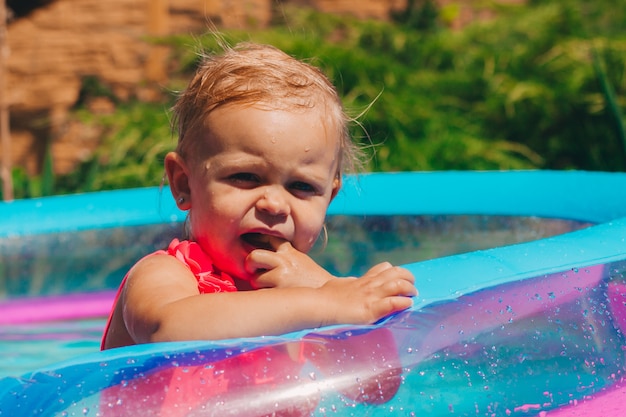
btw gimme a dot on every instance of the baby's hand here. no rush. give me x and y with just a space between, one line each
285 267
383 290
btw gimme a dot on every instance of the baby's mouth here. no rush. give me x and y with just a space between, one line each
258 240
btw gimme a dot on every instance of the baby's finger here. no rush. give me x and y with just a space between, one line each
391 305
260 260
404 274
392 273
378 268
401 287
280 244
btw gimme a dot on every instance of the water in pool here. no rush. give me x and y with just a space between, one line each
27 347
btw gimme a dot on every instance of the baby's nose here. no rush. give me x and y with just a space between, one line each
274 201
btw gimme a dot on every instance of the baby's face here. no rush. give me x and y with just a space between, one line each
261 173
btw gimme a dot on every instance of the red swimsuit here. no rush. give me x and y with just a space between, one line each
200 264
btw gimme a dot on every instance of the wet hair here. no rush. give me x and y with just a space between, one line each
254 74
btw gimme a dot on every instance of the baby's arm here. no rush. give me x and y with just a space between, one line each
162 303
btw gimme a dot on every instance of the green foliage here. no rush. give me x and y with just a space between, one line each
543 91
25 186
521 91
136 139
92 87
541 86
420 15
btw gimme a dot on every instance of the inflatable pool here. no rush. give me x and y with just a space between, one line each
530 324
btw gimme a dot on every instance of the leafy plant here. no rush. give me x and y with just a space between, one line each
136 139
541 86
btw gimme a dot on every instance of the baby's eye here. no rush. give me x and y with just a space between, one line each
246 178
303 187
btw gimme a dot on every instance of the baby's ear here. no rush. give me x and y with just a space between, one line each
178 177
336 186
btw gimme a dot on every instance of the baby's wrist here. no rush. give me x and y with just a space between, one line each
328 303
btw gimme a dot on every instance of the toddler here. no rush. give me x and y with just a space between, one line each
263 142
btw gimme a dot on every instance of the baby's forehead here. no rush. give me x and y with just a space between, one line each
316 109
235 128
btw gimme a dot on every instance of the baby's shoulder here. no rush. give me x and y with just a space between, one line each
159 266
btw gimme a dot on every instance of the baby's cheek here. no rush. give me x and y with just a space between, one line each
309 224
308 241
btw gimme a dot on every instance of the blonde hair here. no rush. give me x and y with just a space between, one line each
249 74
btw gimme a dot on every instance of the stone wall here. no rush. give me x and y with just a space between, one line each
367 9
54 48
50 52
